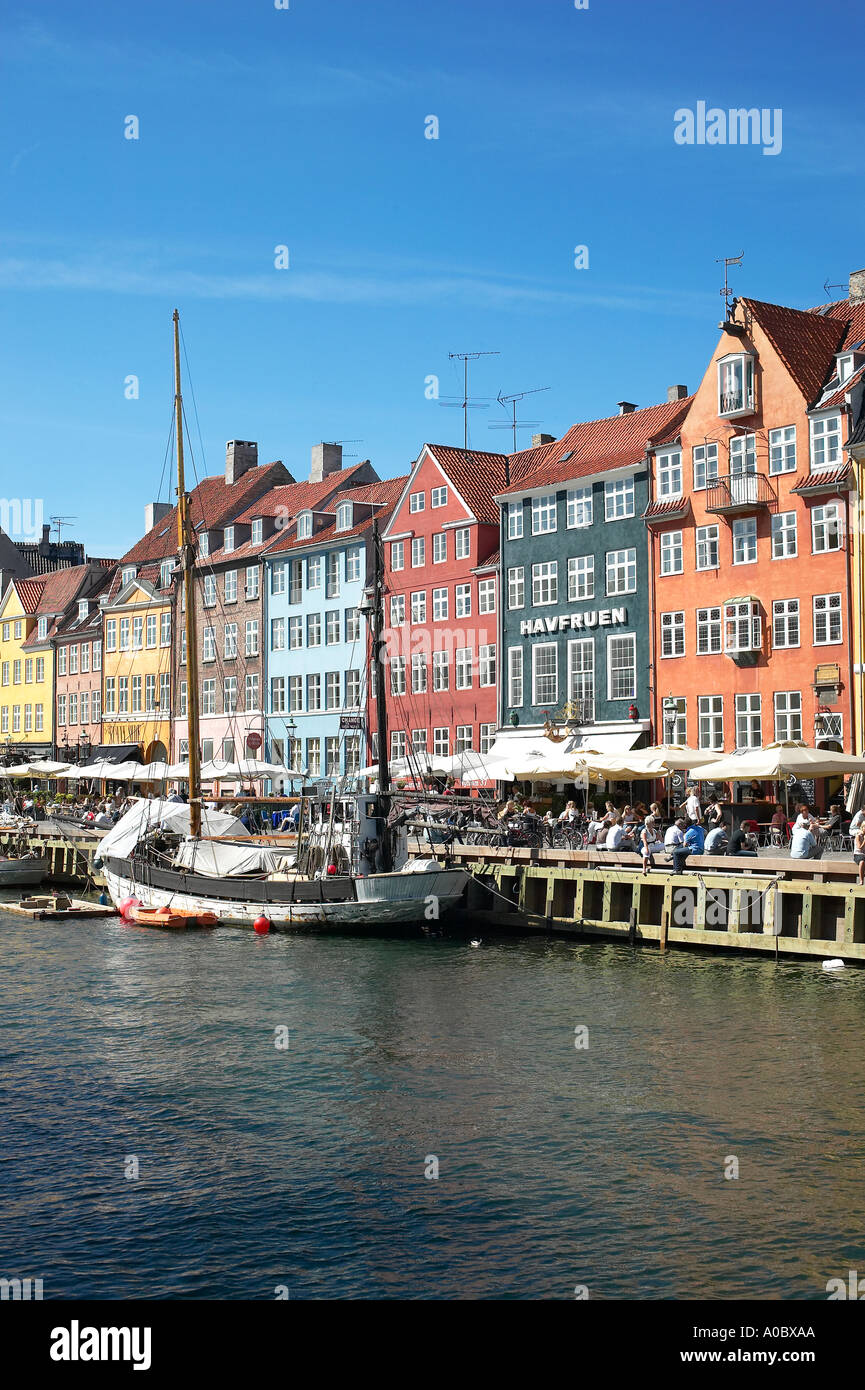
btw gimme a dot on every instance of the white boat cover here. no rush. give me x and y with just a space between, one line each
228 861
173 815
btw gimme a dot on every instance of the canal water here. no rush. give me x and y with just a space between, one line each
212 1115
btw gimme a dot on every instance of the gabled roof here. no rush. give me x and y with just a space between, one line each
287 503
476 475
383 495
805 342
148 574
597 446
57 591
213 503
29 592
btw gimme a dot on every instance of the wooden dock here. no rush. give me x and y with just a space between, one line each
40 907
70 857
800 907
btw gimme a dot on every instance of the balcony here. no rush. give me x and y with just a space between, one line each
740 492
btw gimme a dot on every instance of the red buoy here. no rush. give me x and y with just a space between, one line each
262 925
126 906
331 868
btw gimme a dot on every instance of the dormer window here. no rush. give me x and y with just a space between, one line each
257 531
204 544
83 609
736 384
42 629
670 473
228 538
845 368
165 572
304 526
129 573
344 516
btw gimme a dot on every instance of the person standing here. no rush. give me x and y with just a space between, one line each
859 849
692 807
647 843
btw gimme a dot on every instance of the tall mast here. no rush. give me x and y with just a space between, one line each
186 550
378 656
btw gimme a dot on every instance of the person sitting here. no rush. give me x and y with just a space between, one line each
779 825
570 813
695 838
743 843
716 840
803 843
617 838
601 819
507 811
675 836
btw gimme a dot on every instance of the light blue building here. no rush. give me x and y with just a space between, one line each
315 638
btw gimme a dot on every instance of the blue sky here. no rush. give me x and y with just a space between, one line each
305 127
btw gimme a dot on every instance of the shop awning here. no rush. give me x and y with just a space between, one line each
611 743
115 753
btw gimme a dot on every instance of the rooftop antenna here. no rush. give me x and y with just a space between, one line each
467 403
827 287
726 292
514 424
60 522
346 441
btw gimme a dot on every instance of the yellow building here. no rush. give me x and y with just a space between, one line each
137 674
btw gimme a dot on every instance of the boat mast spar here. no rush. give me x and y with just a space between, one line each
186 551
379 656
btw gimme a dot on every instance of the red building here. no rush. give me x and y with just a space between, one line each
441 604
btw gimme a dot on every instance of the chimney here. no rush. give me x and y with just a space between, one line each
625 407
857 285
45 543
677 393
154 513
240 456
326 459
538 439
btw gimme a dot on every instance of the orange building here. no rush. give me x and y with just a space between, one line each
750 534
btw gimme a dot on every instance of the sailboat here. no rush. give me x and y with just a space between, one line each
350 870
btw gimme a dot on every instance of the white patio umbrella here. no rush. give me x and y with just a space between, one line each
17 770
780 760
47 767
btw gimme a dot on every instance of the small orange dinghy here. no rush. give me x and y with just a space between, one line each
170 917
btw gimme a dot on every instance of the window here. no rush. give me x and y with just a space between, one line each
16 719
229 695
18 628
251 692
256 531
785 622
110 694
313 629
827 619
210 590
418 674
579 507
745 540
40 665
673 634
826 532
397 610
487 665
782 450
463 664
846 367
228 538
331 627
618 499
60 653
124 634
397 675
463 600
97 654
230 586
313 571
204 544
304 526
332 685
621 571
418 740
136 695
670 473
208 697
486 595
710 712
463 543
61 709
826 441
743 464
277 577
440 603
209 644
277 635
137 634
277 694
464 741
295 694
515 521
251 643
707 547
85 709
184 699
544 514
439 497
397 555
352 625
441 671
417 501
622 668
95 704
545 673
16 672
352 688
331 587
736 384
42 629
418 606
705 460
675 718
295 634
344 516
111 634
28 667
128 574
252 581
4 716
581 578
788 715
352 564
149 693
708 631
418 552
313 693
517 587
515 677
671 552
749 722
783 535
440 547
742 627
545 583
151 630
581 677
441 742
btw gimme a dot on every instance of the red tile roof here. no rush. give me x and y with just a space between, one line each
384 495
827 480
214 503
56 591
29 592
667 509
598 446
477 476
805 342
286 503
